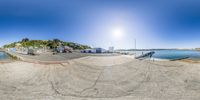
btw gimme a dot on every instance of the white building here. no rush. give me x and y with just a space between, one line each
111 49
94 50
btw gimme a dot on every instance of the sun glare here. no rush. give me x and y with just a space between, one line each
117 33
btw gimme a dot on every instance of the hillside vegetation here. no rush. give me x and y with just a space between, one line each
46 43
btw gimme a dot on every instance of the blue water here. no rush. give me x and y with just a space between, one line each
172 54
176 54
3 56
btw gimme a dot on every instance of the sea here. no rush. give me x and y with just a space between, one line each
170 54
4 56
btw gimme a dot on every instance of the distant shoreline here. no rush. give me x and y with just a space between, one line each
152 49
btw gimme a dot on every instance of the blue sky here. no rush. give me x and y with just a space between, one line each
154 24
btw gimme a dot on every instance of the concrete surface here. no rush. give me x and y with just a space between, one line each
49 56
100 78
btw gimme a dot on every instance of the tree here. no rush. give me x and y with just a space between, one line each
56 40
25 40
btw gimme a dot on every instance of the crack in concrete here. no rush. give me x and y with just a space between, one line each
95 82
52 84
54 89
146 79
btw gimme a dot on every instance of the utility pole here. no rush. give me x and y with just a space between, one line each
135 48
135 44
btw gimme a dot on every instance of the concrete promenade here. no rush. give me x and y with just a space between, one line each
100 78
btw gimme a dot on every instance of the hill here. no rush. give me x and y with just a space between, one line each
46 43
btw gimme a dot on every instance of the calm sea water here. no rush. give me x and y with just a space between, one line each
176 54
173 54
3 56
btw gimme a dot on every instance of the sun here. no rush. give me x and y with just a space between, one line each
117 33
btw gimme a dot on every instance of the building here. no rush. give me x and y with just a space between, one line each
87 51
64 49
111 49
94 50
68 49
99 50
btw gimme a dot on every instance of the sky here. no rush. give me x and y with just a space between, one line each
103 23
